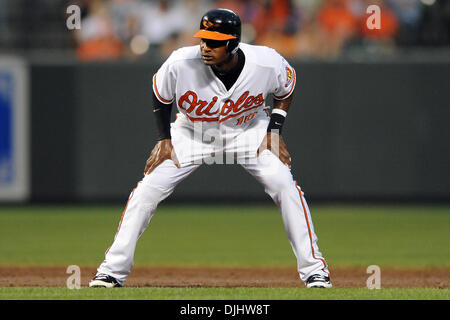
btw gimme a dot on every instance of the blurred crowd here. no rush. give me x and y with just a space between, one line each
130 29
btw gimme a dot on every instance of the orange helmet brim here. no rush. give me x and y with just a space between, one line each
213 35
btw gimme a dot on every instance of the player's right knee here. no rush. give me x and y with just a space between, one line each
153 192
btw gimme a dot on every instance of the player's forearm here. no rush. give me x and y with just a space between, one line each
162 114
283 104
279 113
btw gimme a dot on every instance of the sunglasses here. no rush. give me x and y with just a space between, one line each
214 43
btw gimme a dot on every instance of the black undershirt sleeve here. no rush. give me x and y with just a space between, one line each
162 114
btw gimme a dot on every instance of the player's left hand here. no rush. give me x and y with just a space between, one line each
275 143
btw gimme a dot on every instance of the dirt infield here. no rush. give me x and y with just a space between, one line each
227 277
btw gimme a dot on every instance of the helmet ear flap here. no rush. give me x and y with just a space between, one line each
232 46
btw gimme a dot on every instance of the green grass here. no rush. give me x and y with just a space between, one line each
222 294
244 236
394 236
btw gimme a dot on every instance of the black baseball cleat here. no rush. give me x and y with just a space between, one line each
104 281
318 281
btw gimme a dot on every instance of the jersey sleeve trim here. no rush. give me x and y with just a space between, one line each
290 91
155 89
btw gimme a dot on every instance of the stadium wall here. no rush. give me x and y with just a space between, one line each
356 131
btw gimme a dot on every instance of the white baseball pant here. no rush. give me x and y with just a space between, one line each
158 185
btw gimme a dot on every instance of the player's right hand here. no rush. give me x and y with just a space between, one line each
162 151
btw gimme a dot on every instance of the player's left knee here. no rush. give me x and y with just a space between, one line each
280 184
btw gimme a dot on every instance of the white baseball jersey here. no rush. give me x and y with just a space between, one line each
204 102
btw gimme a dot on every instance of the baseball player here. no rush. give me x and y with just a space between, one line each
220 90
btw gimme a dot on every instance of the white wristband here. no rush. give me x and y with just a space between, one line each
280 112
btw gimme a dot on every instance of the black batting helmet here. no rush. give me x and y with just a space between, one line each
221 25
